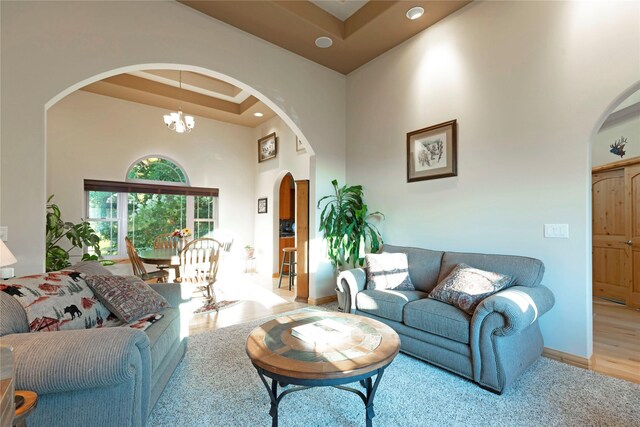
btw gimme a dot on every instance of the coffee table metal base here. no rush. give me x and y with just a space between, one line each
366 381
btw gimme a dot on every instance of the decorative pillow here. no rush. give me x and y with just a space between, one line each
90 268
388 271
56 301
128 297
465 287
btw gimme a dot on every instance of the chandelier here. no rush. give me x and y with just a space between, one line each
178 121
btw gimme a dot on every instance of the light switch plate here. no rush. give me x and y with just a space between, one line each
556 231
4 233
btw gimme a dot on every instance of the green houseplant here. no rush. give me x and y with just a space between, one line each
78 235
344 223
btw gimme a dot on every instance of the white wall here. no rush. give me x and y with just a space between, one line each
97 137
528 83
52 48
610 132
268 177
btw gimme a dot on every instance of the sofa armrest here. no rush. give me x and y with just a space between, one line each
351 282
498 351
174 293
63 361
519 306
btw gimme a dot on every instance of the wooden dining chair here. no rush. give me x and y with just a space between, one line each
166 241
138 266
169 242
199 262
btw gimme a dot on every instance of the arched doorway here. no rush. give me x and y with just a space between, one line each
185 162
615 250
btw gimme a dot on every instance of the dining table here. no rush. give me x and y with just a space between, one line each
162 258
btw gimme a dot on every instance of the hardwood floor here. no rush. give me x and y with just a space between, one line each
616 340
256 301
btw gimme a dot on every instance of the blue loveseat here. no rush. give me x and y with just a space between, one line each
492 347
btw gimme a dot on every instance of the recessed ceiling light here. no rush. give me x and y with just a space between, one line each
324 42
415 12
258 114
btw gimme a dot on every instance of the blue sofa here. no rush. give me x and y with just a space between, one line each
95 377
492 347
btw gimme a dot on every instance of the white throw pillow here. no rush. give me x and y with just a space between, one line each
388 271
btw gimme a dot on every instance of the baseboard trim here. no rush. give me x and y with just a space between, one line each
322 300
568 358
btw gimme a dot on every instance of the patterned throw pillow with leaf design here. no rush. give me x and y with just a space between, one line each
388 271
465 287
57 301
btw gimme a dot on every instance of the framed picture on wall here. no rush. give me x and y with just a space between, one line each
432 152
267 147
299 146
262 205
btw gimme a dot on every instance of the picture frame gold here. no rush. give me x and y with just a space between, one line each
432 152
267 147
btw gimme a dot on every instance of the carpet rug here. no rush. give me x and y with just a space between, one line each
208 307
216 385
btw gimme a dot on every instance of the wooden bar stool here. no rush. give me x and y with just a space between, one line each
288 255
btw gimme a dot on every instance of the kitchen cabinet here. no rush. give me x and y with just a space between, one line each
287 198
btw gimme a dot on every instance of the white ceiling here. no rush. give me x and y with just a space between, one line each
341 9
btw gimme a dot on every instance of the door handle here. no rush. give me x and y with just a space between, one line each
628 243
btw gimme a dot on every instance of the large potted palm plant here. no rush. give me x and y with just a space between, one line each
344 221
349 234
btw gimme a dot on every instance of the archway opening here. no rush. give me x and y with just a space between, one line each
128 138
615 236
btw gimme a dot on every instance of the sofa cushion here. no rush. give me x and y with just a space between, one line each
163 335
524 271
388 271
128 297
13 319
438 318
465 287
90 268
424 265
386 303
56 301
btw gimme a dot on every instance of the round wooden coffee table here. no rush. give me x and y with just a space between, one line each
368 348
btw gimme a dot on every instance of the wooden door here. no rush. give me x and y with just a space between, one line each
632 186
302 240
611 256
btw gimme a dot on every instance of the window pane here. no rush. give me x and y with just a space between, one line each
204 207
152 214
103 204
203 229
108 232
156 169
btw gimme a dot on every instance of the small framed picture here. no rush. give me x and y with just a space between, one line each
267 147
262 205
299 146
432 152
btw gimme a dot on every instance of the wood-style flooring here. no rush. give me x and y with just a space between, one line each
616 340
261 306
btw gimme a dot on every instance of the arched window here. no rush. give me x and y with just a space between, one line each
157 169
155 201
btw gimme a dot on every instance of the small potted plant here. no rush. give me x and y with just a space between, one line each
249 251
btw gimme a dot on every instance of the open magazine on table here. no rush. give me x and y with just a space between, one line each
322 331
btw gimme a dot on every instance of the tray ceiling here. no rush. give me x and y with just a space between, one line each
200 95
360 30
